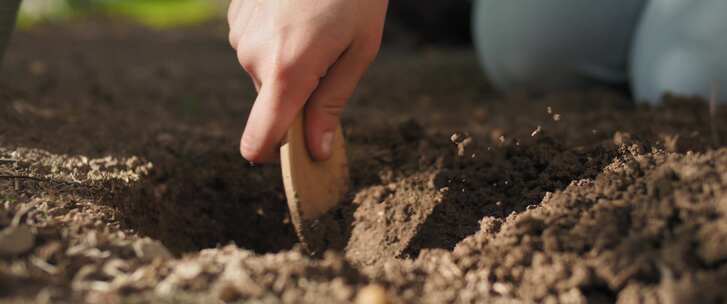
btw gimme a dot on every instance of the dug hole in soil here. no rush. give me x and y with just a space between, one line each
121 181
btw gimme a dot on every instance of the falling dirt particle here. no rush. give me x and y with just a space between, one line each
372 294
16 240
556 117
463 145
148 249
501 139
550 110
455 138
536 132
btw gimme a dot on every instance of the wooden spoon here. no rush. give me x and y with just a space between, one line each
313 188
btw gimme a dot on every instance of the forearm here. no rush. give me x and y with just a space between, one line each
8 12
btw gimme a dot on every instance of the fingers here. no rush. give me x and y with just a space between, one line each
279 99
286 81
295 57
324 108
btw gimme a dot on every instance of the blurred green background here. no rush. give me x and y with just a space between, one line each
417 22
153 13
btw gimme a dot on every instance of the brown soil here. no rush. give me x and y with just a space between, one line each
120 181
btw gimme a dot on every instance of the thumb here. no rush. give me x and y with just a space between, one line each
324 108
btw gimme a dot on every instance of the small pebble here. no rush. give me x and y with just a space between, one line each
502 288
188 270
372 294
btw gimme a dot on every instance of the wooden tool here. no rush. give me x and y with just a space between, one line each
314 188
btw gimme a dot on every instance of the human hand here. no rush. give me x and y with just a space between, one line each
302 55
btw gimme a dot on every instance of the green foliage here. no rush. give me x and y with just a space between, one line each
164 13
152 13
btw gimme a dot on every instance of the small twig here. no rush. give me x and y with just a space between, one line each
536 132
7 161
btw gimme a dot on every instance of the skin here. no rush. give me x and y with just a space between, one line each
302 55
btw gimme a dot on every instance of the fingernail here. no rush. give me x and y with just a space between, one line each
327 143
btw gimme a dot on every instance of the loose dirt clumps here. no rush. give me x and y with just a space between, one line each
120 181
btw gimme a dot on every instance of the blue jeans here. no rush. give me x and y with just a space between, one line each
656 46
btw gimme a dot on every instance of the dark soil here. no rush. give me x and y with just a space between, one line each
121 181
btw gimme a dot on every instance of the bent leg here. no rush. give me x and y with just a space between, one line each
681 47
538 44
8 11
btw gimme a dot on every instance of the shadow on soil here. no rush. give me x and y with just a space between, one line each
506 181
201 202
196 202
